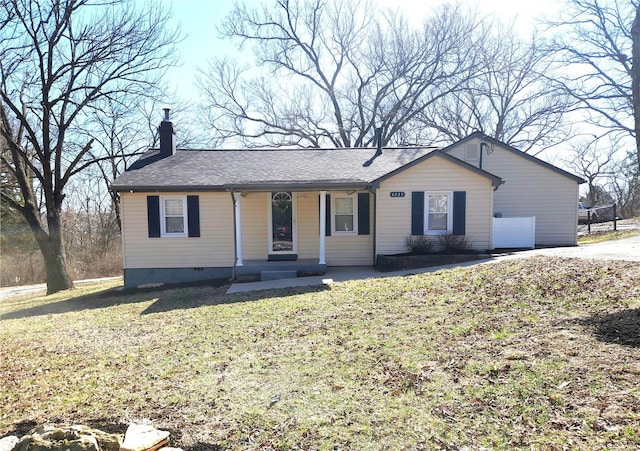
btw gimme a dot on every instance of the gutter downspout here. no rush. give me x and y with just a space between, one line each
237 219
233 207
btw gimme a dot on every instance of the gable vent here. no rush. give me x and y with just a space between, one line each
472 152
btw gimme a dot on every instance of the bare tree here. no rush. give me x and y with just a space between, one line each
597 47
125 129
61 61
593 160
635 80
625 184
336 72
510 100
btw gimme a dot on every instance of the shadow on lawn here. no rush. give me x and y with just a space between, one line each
621 328
167 298
169 301
101 299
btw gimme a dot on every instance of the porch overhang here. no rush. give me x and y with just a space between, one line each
298 186
166 188
293 185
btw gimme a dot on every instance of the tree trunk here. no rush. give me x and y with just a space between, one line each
115 204
55 264
53 252
635 79
51 246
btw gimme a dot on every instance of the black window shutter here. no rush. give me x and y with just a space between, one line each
193 215
327 227
459 212
363 213
327 211
417 213
153 216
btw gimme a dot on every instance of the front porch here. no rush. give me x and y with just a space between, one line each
300 232
296 227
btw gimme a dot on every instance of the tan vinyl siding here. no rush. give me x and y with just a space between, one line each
255 230
347 250
307 224
531 189
214 248
434 174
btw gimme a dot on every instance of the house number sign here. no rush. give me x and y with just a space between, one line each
397 193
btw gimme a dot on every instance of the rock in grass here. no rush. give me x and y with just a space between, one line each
141 437
106 441
7 443
49 437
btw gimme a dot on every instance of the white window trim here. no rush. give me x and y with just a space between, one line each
354 197
163 222
449 230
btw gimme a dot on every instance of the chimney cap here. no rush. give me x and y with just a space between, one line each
166 114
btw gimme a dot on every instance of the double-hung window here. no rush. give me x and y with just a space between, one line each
173 212
439 218
344 214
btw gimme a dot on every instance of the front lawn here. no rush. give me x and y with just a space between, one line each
540 353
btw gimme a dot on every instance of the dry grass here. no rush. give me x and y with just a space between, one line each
538 353
607 235
24 268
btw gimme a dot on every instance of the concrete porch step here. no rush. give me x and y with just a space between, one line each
303 267
278 274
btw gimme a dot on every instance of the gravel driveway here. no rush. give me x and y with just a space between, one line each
624 249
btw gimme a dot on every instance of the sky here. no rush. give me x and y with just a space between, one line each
199 20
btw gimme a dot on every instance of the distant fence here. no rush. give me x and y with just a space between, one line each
514 232
603 213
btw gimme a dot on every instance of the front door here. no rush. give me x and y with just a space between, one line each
282 239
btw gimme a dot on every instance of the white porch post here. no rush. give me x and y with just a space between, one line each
238 220
323 226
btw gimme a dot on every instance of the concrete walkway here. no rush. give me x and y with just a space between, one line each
625 249
340 274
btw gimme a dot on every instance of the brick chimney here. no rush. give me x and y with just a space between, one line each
167 136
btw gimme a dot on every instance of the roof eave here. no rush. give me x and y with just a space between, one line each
510 148
296 186
267 186
495 180
169 189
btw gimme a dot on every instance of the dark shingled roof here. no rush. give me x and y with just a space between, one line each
256 169
191 170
